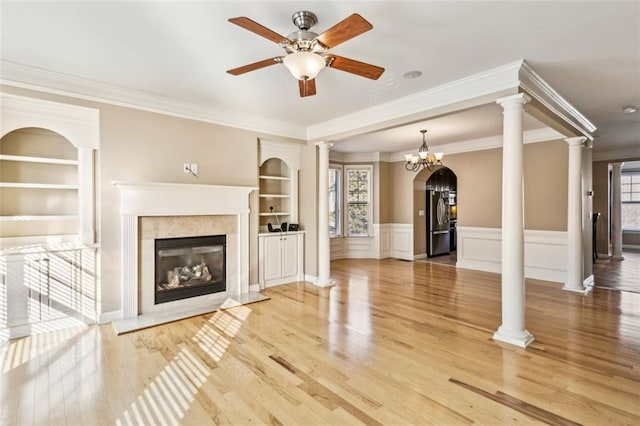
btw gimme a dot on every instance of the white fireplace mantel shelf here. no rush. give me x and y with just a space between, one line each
174 199
140 199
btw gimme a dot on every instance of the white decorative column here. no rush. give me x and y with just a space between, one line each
324 253
616 212
574 218
512 330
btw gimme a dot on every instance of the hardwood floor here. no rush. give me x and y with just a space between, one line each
619 274
392 342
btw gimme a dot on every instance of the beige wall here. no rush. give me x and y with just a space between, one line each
385 179
144 146
479 175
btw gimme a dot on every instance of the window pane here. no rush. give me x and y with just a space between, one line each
631 216
358 185
334 202
625 178
358 219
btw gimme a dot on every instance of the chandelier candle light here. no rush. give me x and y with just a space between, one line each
423 159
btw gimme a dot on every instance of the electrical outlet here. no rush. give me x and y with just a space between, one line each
186 168
194 169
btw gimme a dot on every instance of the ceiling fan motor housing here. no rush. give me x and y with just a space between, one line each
304 19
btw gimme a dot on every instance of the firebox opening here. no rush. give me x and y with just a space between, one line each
189 267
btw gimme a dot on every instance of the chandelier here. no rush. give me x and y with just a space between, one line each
423 159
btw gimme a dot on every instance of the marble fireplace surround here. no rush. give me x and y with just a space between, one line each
148 210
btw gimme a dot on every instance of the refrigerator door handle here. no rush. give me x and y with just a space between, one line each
441 232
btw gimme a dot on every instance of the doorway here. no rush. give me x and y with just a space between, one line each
441 216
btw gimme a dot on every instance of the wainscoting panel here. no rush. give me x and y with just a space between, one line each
545 252
388 240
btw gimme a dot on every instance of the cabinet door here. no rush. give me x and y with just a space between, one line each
289 255
272 258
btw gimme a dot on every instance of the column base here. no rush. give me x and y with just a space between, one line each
521 339
614 257
324 283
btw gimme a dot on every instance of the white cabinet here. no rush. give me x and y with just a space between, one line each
280 258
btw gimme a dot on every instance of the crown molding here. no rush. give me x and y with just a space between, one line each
502 80
25 77
540 90
544 134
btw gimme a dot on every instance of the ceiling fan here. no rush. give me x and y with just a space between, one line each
307 51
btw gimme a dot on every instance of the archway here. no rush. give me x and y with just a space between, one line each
443 181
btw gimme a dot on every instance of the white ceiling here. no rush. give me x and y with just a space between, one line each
588 51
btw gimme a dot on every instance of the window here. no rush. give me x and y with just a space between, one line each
335 196
358 200
630 201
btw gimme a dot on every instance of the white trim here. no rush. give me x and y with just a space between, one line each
107 317
589 281
550 98
631 246
50 82
311 278
420 105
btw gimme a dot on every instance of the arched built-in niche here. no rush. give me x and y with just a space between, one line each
77 125
441 178
38 185
278 175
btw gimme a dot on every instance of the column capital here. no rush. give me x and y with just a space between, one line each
617 166
517 99
579 140
324 145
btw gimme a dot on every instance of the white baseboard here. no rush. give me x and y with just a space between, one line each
254 287
631 246
107 317
603 255
310 278
420 256
589 281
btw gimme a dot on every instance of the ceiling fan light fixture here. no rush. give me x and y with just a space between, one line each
304 65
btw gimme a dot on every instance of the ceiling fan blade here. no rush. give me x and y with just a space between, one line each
344 30
307 87
356 67
255 66
254 27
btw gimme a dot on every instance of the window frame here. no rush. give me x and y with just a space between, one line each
339 201
632 174
346 222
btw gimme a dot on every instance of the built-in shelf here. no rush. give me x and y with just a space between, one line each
43 160
24 218
36 185
274 177
275 195
275 214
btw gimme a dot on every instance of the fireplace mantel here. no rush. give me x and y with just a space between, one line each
150 199
140 199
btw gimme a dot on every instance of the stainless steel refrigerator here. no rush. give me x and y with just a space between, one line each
438 232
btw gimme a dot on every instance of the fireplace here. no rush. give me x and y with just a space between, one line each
189 267
146 216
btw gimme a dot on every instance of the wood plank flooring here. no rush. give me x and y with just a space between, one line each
392 342
619 274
